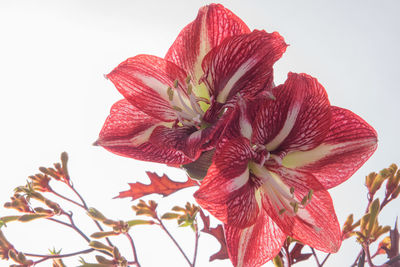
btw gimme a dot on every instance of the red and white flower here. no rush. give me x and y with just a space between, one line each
177 107
269 179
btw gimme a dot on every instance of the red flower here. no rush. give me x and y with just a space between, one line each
270 178
177 107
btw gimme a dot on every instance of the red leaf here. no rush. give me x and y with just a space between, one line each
158 185
218 233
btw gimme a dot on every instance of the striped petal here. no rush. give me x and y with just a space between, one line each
299 118
227 191
255 245
212 25
316 224
127 132
349 143
242 64
143 80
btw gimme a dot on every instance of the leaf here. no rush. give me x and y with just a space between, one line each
158 185
218 233
296 255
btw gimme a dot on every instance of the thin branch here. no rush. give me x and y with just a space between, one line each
326 258
67 199
366 250
59 256
71 226
196 244
175 242
315 257
135 257
86 208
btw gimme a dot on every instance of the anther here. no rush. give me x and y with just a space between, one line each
189 89
170 93
176 83
310 193
177 108
188 78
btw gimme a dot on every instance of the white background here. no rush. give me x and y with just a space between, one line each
54 98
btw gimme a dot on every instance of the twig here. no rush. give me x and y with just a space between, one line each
315 257
135 257
326 258
86 208
173 240
67 199
366 250
59 256
355 262
72 225
196 244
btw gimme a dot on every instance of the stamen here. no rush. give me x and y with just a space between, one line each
170 93
176 83
188 78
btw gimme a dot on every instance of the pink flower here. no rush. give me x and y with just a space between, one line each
269 177
177 107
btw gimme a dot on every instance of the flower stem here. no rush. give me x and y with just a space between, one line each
86 208
48 257
135 257
196 244
173 240
72 225
315 257
67 199
326 258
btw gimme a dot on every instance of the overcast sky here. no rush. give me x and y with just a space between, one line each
54 98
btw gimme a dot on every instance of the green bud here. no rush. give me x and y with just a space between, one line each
170 216
100 246
96 215
139 222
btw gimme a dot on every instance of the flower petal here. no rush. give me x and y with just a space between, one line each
190 140
242 64
315 225
127 132
298 119
349 143
255 245
143 80
227 191
212 25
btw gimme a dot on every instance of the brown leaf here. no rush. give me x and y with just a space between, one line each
158 185
218 233
296 255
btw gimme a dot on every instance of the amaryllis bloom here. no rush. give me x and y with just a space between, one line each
176 107
270 181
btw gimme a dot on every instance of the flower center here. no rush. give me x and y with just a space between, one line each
189 111
281 195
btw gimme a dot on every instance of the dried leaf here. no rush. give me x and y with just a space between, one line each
218 233
158 185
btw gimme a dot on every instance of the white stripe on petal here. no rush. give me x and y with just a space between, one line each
242 70
242 246
238 182
298 159
286 129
